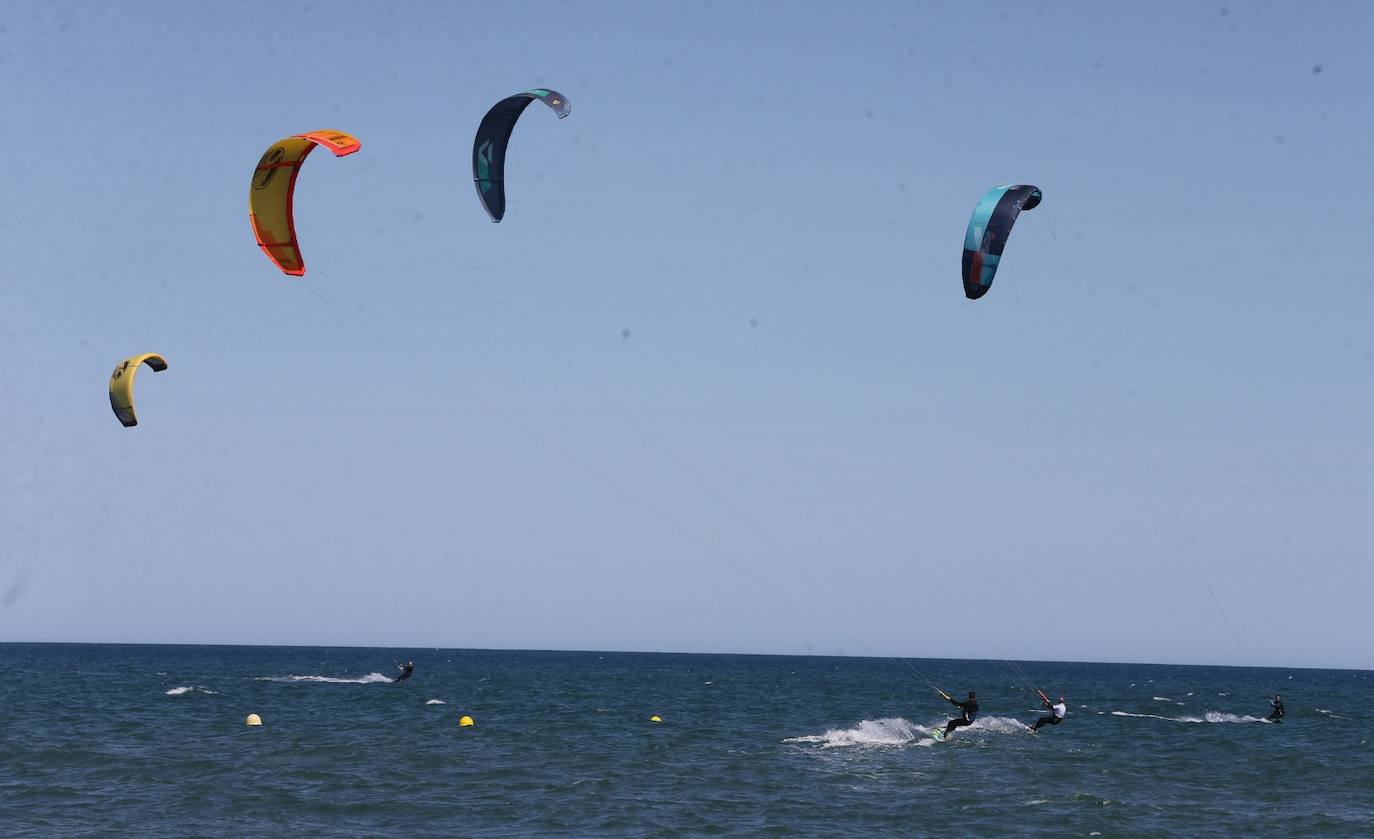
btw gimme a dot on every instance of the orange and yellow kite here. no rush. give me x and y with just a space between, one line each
274 184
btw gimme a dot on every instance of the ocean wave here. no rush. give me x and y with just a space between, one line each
369 679
181 691
436 702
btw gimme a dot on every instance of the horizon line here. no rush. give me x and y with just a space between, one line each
671 652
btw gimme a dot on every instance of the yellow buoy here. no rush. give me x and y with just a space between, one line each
253 719
465 721
655 718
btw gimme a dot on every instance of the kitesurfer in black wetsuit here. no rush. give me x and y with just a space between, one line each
1054 717
970 709
1276 714
406 670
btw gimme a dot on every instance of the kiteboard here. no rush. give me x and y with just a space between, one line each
938 732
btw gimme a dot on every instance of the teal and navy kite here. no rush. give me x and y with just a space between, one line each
489 148
988 231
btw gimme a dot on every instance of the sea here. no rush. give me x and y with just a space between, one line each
150 741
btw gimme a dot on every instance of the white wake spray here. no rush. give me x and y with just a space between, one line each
996 725
369 679
895 731
890 731
1210 716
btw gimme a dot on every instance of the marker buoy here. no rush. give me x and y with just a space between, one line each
252 719
465 721
655 718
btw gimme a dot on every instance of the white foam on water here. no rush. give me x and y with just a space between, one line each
890 731
369 679
1210 716
179 691
1155 717
1161 699
436 702
996 725
1217 716
895 731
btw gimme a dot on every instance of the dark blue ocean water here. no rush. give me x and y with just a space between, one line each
150 741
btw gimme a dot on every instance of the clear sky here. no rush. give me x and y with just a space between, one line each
808 441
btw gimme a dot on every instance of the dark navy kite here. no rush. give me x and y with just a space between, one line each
489 148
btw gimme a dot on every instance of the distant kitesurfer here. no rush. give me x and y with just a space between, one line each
1276 706
969 708
1054 717
406 670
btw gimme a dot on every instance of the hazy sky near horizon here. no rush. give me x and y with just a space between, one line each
712 385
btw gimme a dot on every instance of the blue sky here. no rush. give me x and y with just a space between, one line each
808 442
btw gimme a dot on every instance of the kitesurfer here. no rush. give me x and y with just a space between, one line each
406 670
1054 717
969 709
1276 709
